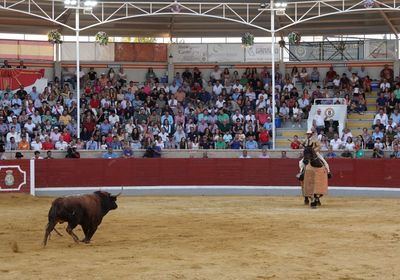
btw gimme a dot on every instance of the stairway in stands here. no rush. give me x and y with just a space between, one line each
355 122
287 131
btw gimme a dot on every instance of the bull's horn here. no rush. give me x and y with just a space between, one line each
122 189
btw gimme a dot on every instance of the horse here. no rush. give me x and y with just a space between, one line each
314 179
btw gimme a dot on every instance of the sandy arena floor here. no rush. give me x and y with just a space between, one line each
208 238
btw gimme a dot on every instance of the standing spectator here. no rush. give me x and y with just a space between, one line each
319 121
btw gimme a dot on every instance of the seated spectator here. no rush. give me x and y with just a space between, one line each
387 74
314 76
330 153
6 64
264 139
49 155
284 112
23 144
110 154
295 144
264 154
244 154
330 76
251 144
18 155
382 117
152 152
336 143
36 155
378 151
396 152
61 145
72 153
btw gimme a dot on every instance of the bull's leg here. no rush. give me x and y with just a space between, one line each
69 229
306 200
57 232
90 234
86 231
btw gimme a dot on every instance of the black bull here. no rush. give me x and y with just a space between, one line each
84 210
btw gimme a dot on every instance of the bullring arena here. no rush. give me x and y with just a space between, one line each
202 120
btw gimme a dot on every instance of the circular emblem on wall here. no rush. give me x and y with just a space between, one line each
301 51
9 179
329 112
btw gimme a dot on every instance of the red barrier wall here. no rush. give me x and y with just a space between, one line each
238 172
14 176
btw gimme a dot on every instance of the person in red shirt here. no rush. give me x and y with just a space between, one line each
95 102
263 139
262 117
47 144
89 123
66 135
295 144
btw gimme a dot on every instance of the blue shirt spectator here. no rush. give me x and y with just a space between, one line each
105 127
251 144
110 154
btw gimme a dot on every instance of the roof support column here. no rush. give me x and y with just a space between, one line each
273 73
170 70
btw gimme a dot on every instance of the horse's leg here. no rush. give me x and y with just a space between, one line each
317 197
313 203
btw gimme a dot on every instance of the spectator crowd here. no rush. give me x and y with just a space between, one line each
225 110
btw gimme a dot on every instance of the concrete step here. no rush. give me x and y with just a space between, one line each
289 133
371 107
282 142
365 116
352 124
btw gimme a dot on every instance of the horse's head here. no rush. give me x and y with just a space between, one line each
309 154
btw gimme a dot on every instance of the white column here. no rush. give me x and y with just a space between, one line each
78 83
273 73
170 70
32 176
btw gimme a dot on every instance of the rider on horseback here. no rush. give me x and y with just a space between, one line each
313 141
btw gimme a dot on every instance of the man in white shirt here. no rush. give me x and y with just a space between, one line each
61 145
216 74
220 102
336 143
29 126
319 121
36 145
236 116
15 134
382 117
217 88
237 85
113 118
55 135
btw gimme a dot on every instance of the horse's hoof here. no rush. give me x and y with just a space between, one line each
306 201
313 205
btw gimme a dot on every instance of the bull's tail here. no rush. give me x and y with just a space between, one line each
51 224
